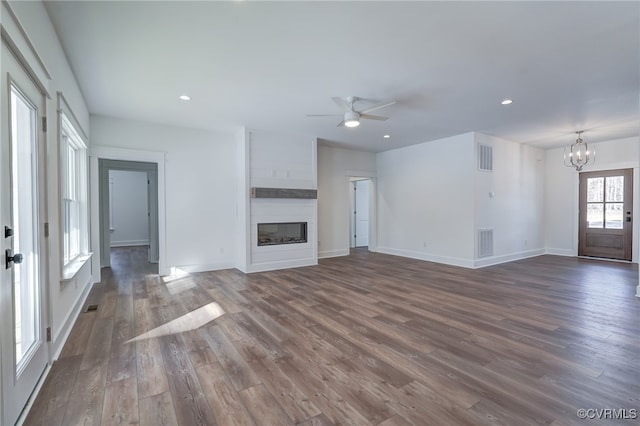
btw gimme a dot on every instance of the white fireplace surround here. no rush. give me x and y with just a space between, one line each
279 162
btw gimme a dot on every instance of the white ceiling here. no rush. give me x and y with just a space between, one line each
568 66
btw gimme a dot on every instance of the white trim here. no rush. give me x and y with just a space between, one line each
285 264
72 268
230 264
561 252
111 153
65 108
454 261
17 40
495 260
60 338
333 253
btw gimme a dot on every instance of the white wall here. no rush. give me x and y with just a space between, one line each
425 200
200 191
129 208
510 200
432 199
335 166
64 299
561 193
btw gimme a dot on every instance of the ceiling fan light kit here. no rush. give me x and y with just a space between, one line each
351 119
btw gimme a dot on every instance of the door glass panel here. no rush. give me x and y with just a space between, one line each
614 216
24 215
595 190
614 189
595 215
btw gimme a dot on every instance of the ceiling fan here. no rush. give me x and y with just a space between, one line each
351 115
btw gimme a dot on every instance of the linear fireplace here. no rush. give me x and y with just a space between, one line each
271 234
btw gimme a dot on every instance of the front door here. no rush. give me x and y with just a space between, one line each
606 214
22 203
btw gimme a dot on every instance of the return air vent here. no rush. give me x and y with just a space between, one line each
485 158
485 242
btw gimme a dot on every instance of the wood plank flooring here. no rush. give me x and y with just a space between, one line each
367 339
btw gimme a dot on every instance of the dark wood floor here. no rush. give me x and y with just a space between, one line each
364 339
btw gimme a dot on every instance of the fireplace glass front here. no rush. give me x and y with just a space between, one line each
271 234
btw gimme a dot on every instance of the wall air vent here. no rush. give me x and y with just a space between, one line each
485 243
485 158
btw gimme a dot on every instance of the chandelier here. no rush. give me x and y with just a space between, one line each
578 154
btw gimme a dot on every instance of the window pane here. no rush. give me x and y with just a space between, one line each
74 229
72 173
595 215
614 188
66 205
614 215
595 189
24 207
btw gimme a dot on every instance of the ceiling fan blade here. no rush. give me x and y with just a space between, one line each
341 103
373 117
341 124
376 106
325 115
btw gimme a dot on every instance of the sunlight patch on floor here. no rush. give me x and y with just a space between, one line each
178 281
190 321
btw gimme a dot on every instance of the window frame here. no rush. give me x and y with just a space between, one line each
73 191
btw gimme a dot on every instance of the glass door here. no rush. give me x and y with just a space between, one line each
24 352
606 214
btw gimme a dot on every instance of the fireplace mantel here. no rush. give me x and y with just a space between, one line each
306 194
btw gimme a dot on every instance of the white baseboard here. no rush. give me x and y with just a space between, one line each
60 337
465 263
129 243
454 261
286 264
495 260
333 253
574 253
227 264
561 252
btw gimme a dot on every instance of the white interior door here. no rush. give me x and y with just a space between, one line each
152 199
22 203
361 213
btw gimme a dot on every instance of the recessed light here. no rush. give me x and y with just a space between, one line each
506 101
386 136
185 97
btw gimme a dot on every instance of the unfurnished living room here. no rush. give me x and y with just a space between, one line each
320 213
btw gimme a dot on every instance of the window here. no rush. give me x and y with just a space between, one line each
73 153
605 201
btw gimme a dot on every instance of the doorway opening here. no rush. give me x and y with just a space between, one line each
359 228
128 207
